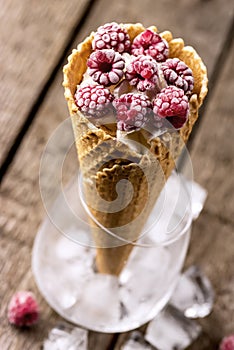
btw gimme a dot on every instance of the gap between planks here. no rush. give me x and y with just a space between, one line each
41 96
216 73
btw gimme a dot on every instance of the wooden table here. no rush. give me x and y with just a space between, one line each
36 38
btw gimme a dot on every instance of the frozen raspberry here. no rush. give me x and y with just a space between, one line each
133 111
142 72
172 103
23 309
106 67
177 73
227 343
111 36
150 43
94 100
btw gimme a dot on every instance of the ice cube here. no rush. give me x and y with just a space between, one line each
142 281
194 295
55 278
66 249
66 337
69 251
171 330
136 342
99 302
67 267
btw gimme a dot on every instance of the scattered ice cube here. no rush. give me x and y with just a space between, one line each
171 330
194 295
136 342
66 337
99 302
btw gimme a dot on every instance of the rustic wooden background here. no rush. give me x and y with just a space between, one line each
36 37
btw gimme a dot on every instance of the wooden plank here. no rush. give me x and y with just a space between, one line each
213 148
17 275
213 239
53 111
22 209
211 249
202 24
33 36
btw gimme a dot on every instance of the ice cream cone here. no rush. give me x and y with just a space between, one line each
105 160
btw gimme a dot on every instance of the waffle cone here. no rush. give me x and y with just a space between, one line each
105 160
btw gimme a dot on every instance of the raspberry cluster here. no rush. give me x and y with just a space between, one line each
158 87
227 343
111 36
177 73
133 111
150 43
23 309
106 67
142 72
94 100
172 103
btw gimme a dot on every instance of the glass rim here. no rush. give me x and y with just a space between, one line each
175 234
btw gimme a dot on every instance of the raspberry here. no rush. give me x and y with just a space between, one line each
150 43
94 100
177 73
133 111
143 73
111 36
106 67
23 309
172 103
227 343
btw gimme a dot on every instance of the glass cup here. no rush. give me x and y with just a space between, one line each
64 261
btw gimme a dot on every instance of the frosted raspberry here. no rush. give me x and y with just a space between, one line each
227 343
94 100
172 103
23 309
150 43
111 36
177 73
106 67
142 72
133 111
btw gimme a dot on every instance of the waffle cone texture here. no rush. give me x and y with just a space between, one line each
107 162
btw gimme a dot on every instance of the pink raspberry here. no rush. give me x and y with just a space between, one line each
142 72
23 309
111 36
227 343
177 73
106 67
133 111
172 103
150 43
94 100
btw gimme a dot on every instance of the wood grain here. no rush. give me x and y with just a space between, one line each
202 24
211 249
206 22
213 149
32 36
213 237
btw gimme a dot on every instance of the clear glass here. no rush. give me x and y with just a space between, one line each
64 262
